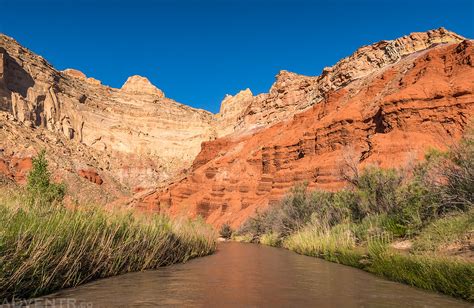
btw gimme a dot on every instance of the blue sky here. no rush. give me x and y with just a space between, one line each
198 51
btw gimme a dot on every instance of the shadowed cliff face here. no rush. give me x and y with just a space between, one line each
388 118
385 102
18 80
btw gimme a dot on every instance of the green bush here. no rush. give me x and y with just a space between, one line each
41 191
292 213
298 209
332 208
246 238
408 216
252 228
458 191
403 205
396 201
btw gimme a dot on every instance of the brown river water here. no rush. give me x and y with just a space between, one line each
250 275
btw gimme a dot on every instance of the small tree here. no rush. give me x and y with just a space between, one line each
40 188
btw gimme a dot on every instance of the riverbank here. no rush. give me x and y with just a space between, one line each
44 249
412 226
436 271
443 272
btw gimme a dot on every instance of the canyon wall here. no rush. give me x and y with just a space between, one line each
292 93
385 104
135 134
389 118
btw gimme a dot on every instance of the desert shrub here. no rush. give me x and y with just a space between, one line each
442 184
244 238
225 231
387 198
293 212
301 207
253 228
378 200
376 191
332 208
449 178
41 190
412 200
431 204
458 192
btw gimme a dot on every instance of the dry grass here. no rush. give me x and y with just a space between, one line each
43 249
452 276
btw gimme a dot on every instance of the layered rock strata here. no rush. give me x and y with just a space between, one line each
388 118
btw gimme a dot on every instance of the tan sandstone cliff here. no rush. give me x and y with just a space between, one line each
134 134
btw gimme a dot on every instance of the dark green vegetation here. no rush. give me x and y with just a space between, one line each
45 246
409 226
225 231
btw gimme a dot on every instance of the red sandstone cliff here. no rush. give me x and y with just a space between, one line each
388 118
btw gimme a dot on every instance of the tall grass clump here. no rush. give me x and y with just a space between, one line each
445 231
337 244
270 239
45 246
453 277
